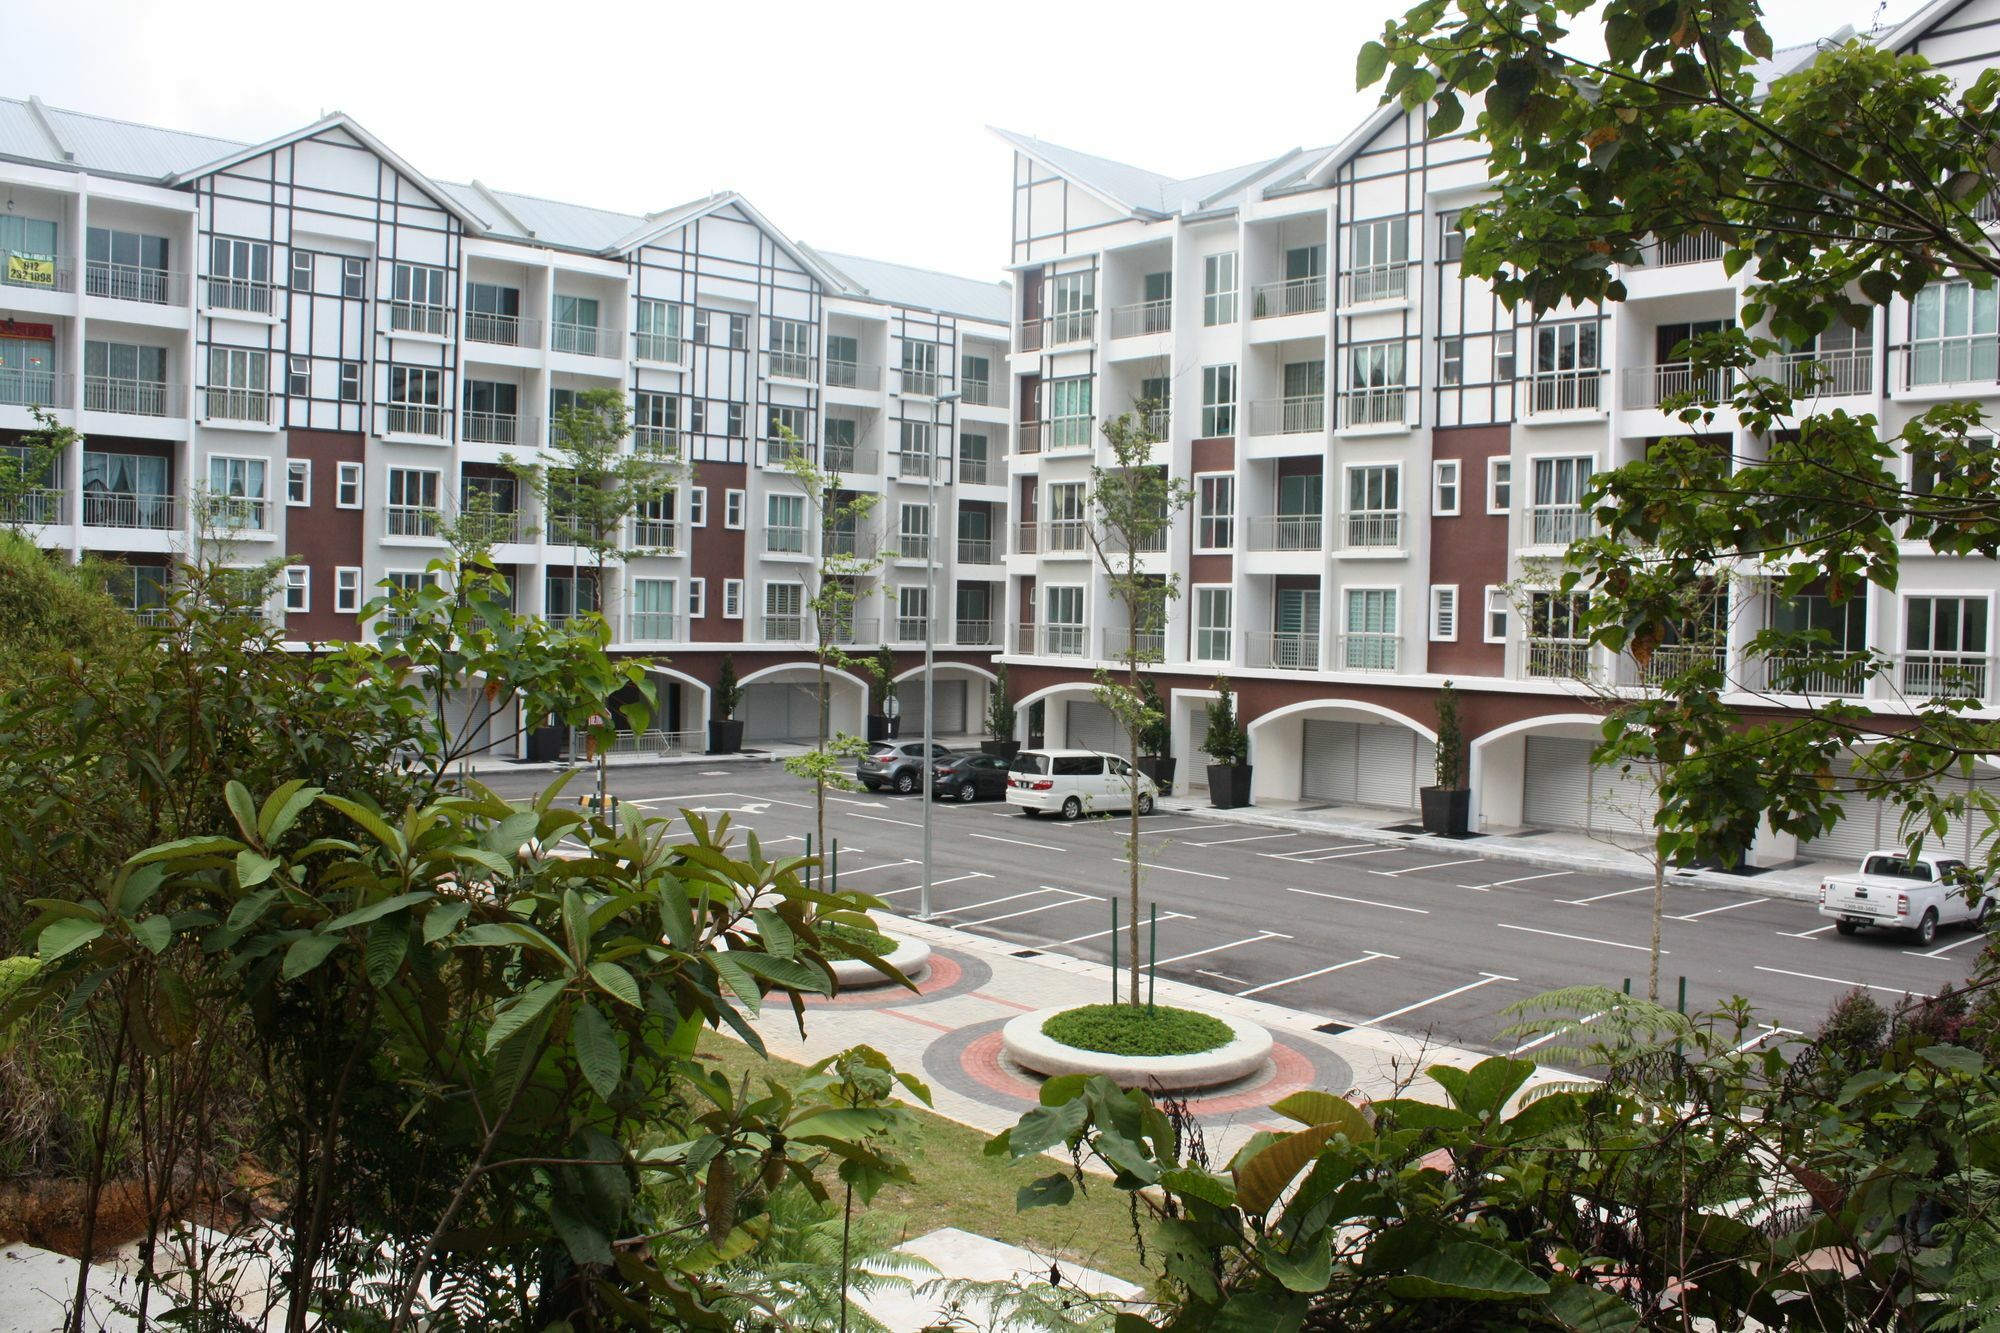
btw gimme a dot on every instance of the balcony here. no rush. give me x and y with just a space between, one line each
659 536
864 631
131 398
132 282
565 530
1556 659
1377 282
1650 386
493 428
1697 247
977 551
853 544
976 634
979 471
1372 529
652 627
1066 434
911 629
131 510
1383 406
1156 425
502 330
41 273
784 541
37 506
33 388
1056 640
236 513
1556 391
922 383
1935 675
409 521
1071 326
249 405
419 317
1065 536
781 451
785 629
662 442
1031 335
1027 538
1301 415
1029 433
848 458
1118 646
1838 374
914 466
1974 359
585 340
661 347
416 419
1293 296
495 527
793 366
1370 652
1288 651
853 375
1557 525
1833 674
1670 660
237 294
912 546
1285 532
976 393
1136 321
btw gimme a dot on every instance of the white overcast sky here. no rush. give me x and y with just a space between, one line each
858 127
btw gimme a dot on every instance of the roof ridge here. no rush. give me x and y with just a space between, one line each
131 124
544 199
897 263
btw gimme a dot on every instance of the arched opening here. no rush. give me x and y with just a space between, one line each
1868 823
782 704
959 692
1538 774
1336 753
480 729
1071 719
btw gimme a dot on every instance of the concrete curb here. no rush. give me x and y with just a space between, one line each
909 957
1244 1053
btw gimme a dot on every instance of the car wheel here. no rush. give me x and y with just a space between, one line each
968 793
1072 809
1145 803
1845 927
1927 928
906 783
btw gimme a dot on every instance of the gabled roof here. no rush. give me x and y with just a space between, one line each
525 217
1149 194
918 288
33 132
1916 25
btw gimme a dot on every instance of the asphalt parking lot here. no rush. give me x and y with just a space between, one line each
1408 938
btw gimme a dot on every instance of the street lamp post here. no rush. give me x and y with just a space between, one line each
930 640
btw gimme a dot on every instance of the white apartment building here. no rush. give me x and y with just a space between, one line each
313 350
1375 447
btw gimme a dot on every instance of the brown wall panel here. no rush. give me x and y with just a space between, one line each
1469 550
718 554
321 535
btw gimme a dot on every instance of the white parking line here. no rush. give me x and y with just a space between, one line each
886 865
1148 865
1178 828
1258 938
1974 938
1583 939
1368 957
1519 879
1437 865
1075 900
884 819
1364 902
1311 851
1219 976
1842 981
1806 934
1099 934
1583 902
1726 907
1485 979
977 874
1771 1030
865 805
1563 1031
1012 897
991 837
1255 837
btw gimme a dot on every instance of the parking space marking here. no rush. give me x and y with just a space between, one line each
992 837
1518 879
1258 938
1438 865
1012 897
1364 902
1841 981
1311 851
1367 957
1485 979
1585 902
1221 976
1806 934
1974 938
977 874
1099 934
884 819
1726 907
1178 828
1074 900
886 865
1770 1030
865 805
1583 939
1148 865
1563 1031
1255 837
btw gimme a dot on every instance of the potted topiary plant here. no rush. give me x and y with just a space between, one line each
1448 805
1000 719
1156 738
882 717
725 731
1229 749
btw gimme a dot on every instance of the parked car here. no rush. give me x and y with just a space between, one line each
896 765
1071 782
969 777
1902 892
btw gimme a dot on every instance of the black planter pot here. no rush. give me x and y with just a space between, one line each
1228 786
1160 768
878 727
1005 749
1447 811
725 737
545 744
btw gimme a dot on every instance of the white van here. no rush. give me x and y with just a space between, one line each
1073 783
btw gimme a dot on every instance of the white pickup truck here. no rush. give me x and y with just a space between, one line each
1902 892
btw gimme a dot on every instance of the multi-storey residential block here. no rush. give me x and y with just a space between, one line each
1379 451
306 348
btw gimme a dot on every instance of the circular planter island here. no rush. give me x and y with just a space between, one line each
910 957
1211 1049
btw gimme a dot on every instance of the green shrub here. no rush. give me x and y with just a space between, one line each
1127 1029
1855 1026
840 941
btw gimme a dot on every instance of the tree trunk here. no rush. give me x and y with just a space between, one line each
1659 906
1132 796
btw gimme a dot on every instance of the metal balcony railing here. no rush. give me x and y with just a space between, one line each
1063 433
1556 659
911 629
793 366
785 540
1061 640
1370 652
1386 405
661 347
975 393
237 513
1299 415
1971 359
778 452
1071 326
492 428
1031 335
853 544
1697 247
237 294
848 458
1377 282
1285 532
1027 538
657 442
419 317
1827 374
1138 320
1115 647
914 466
1936 675
1649 386
585 339
923 383
415 419
866 630
1549 391
502 330
37 506
1831 674
48 273
564 530
1670 660
1557 525
132 398
658 536
977 470
129 509
134 282
253 405
1156 425
494 527
1287 651
784 629
1065 536
1376 529
33 388
975 633
1029 433
652 626
1292 296
409 521
642 742
913 546
976 551
853 375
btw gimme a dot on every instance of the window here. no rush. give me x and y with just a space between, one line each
1375 385
718 328
354 278
1378 254
1218 301
238 384
913 532
298 588
1063 625
1072 307
239 274
1218 401
976 378
298 376
575 329
298 481
1372 638
121 377
412 509
1212 611
784 617
347 590
350 381
920 362
732 509
736 423
698 416
1499 485
417 300
1954 334
1444 612
785 432
568 595
697 599
1069 413
1557 615
1944 645
1063 522
302 270
659 331
1451 238
1503 357
1374 505
1215 512
791 349
416 400
732 599
1497 610
124 265
974 459
1566 375
1556 516
1444 487
785 524
236 491
697 506
1451 361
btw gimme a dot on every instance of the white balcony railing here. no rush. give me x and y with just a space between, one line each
661 347
977 551
253 405
1156 424
1387 405
237 513
652 627
1284 651
979 471
419 317
1557 659
1372 529
656 441
1117 644
1303 414
1650 386
779 451
853 543
1065 536
1071 326
913 546
1936 675
1136 321
975 633
1285 532
659 535
1027 538
132 398
785 540
237 294
492 428
1697 247
1378 282
134 282
923 383
1551 391
914 466
409 521
1370 652
1293 296
1844 373
33 388
911 629
36 506
495 527
1557 525
1818 675
792 366
502 330
975 393
852 375
1062 640
415 419
127 509
848 458
1670 660
785 629
585 339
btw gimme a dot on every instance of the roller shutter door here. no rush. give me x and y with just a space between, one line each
1198 758
1093 727
950 698
1557 790
1330 752
780 713
1868 824
1364 763
474 722
1622 802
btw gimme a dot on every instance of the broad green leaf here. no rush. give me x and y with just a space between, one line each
247 910
1262 1178
253 868
441 920
1306 1267
186 849
308 952
1197 1184
778 938
512 934
1309 1106
1045 1127
1050 1191
361 916
1466 1271
1591 1309
789 972
581 1235
1409 1113
241 808
844 1124
1483 1089
1062 1088
522 1010
617 982
64 935
738 980
1370 63
598 1053
282 809
388 941
154 933
371 822
1957 1059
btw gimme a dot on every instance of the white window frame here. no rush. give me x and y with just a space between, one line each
298 482
1204 594
1499 478
1444 613
697 506
1497 604
1217 410
1447 489
697 600
298 376
1205 517
732 599
349 477
350 381
732 509
302 267
1451 362
1220 281
298 579
347 590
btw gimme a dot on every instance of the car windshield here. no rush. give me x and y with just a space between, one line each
1029 763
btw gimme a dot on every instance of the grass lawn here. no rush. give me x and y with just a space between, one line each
959 1186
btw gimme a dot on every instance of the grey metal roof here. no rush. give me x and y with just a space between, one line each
549 221
1141 190
921 288
100 144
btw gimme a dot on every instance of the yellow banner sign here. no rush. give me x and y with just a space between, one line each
31 271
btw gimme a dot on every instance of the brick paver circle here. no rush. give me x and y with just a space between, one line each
948 974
